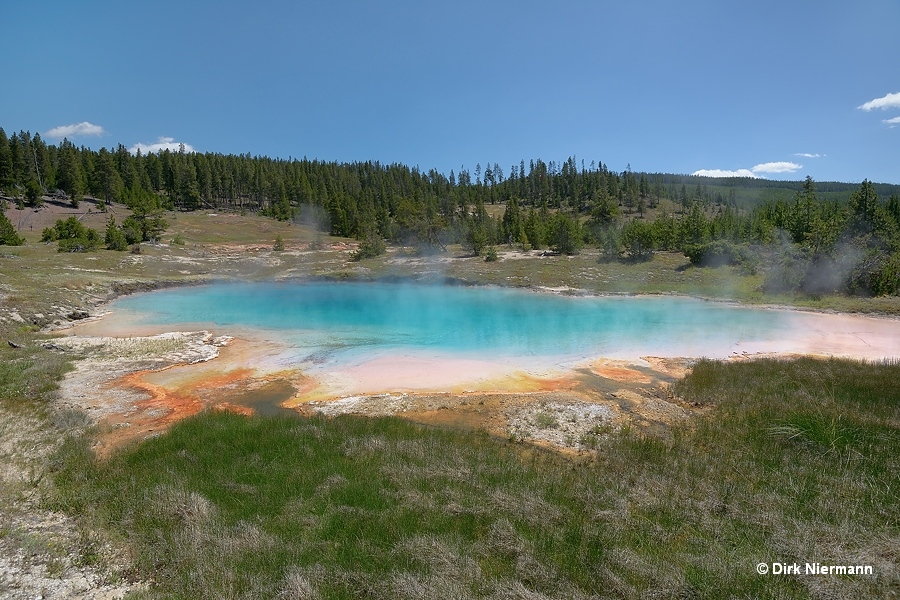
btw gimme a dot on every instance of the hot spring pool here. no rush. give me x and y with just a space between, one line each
339 322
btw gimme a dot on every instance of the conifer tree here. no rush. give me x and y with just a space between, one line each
565 234
70 173
803 211
8 235
6 164
114 238
107 183
512 221
637 237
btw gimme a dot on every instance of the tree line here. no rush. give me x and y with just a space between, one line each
805 236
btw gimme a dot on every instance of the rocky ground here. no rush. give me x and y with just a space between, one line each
570 414
43 553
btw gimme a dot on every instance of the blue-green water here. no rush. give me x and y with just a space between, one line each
346 319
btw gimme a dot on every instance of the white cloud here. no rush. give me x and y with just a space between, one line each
161 144
889 101
777 167
808 155
769 167
892 122
75 129
723 173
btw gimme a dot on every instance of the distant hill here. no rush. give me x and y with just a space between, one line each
749 192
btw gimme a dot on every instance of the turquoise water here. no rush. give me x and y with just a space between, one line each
323 321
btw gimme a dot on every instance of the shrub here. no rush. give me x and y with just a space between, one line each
477 238
608 242
565 234
34 193
72 236
114 238
876 274
144 228
785 271
369 247
637 237
720 253
131 229
88 242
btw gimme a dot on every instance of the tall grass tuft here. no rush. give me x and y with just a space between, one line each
797 461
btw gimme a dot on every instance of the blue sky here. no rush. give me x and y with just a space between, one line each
781 89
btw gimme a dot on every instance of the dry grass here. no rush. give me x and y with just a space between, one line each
349 507
797 461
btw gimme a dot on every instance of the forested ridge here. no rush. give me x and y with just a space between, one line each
812 237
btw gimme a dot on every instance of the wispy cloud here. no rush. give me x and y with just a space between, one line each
161 144
762 168
808 155
75 130
777 167
892 122
723 173
889 101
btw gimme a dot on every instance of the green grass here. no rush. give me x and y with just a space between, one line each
796 461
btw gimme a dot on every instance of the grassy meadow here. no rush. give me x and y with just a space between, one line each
793 461
797 464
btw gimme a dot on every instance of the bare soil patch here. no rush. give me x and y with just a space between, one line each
88 213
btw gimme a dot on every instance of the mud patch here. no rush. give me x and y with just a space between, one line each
618 370
671 369
266 399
